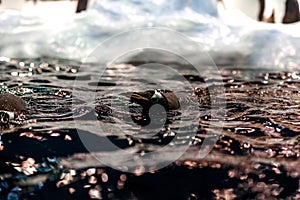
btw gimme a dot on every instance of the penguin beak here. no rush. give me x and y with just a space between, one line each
138 97
141 98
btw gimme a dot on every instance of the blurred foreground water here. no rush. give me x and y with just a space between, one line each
257 152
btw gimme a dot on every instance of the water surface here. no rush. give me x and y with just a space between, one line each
255 156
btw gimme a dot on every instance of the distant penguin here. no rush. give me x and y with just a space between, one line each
83 5
272 11
292 13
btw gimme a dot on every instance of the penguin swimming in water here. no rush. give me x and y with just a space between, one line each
11 107
149 98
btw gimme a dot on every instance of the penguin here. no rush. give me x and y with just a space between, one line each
271 11
11 107
81 5
292 13
147 99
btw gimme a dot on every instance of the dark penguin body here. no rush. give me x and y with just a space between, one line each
11 107
292 13
12 103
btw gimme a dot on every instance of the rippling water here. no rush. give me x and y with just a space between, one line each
255 157
75 108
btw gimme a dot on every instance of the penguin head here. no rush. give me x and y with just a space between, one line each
148 98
